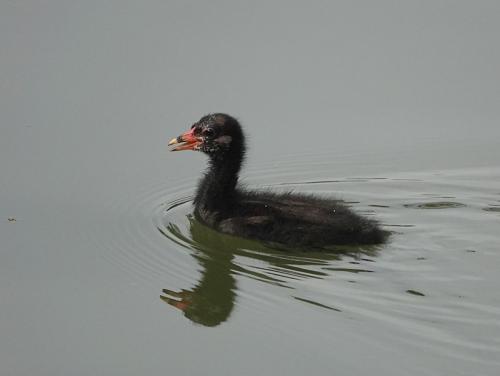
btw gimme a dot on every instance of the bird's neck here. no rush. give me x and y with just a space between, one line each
217 190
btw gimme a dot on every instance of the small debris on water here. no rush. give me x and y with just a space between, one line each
11 219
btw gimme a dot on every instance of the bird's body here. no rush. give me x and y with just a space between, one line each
295 220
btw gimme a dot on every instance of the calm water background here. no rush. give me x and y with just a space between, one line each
391 106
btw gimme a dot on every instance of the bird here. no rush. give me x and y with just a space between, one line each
290 219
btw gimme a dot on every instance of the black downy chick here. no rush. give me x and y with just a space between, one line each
291 219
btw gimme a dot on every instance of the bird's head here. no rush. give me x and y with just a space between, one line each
214 134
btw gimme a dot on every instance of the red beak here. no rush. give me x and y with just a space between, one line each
186 141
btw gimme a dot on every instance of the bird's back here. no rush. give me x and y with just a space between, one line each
298 220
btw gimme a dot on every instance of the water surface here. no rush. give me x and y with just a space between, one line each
391 107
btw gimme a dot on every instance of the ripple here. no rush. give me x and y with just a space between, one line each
203 274
125 237
435 205
316 304
223 260
251 258
415 292
492 208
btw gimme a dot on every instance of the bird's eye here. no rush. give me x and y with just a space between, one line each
209 132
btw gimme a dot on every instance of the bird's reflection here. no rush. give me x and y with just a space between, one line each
221 257
211 301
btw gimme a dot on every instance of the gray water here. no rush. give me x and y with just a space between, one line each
391 107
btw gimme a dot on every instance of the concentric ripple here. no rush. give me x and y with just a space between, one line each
418 291
250 258
408 285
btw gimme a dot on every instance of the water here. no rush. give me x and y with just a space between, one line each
124 284
139 275
393 109
420 291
